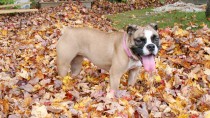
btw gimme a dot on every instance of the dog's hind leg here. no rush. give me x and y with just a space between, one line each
76 65
63 67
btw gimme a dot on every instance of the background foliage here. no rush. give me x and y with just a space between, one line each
2 2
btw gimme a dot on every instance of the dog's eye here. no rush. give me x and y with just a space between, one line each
155 38
143 39
138 41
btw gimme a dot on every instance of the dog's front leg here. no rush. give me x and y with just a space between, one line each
115 81
132 76
115 75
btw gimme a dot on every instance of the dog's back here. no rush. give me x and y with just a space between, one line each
93 44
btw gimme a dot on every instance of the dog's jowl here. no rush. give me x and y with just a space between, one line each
116 52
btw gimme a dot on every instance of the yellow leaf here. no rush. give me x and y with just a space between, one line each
130 111
13 87
181 32
123 102
207 114
67 83
157 78
39 58
165 46
24 74
133 16
37 87
66 80
193 75
82 104
86 63
4 32
93 80
146 98
207 71
168 98
183 116
207 57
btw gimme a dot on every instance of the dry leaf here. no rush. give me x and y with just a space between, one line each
39 111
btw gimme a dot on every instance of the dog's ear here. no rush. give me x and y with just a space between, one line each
131 29
154 26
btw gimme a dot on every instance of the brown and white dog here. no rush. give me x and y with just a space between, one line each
116 52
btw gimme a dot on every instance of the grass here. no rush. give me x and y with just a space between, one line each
168 19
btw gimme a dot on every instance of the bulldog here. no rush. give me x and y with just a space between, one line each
116 52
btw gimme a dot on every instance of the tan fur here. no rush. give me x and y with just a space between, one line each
105 50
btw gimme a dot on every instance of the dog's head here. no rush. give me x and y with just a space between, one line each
144 43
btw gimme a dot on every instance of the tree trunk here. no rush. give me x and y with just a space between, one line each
208 9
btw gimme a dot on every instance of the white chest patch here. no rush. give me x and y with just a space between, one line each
133 64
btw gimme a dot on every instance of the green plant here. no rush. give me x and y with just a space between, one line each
124 1
4 2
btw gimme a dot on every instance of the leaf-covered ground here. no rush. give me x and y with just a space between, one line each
30 87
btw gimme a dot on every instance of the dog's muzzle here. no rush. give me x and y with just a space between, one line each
151 48
148 60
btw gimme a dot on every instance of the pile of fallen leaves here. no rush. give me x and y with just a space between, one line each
30 87
70 14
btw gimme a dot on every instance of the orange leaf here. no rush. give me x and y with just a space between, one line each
5 104
40 75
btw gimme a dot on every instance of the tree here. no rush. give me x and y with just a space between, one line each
208 9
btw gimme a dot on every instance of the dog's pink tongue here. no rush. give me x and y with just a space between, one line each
149 63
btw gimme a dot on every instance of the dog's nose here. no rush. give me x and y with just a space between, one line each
151 47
